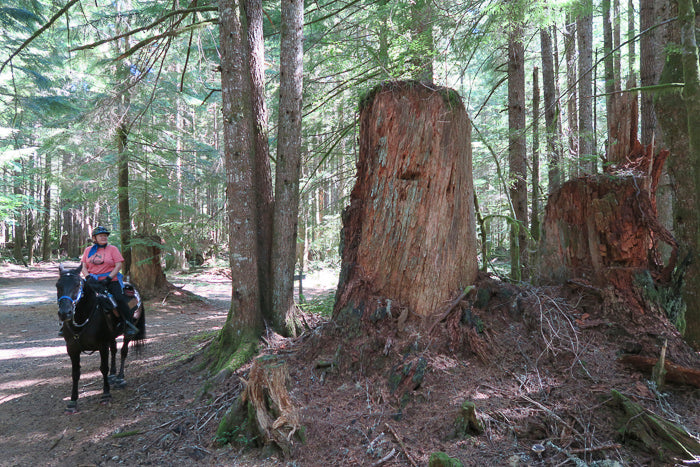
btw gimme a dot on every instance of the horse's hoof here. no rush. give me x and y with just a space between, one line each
112 379
71 409
118 383
106 399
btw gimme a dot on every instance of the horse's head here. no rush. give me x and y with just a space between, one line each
69 289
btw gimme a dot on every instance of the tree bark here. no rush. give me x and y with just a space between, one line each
146 272
263 177
244 321
691 97
517 154
551 111
123 197
584 34
535 218
408 238
288 168
650 66
422 35
601 228
674 123
572 101
46 227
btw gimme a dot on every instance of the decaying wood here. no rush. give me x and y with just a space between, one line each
467 422
409 231
661 437
675 373
604 228
266 392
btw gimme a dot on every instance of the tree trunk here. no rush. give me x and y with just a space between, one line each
535 218
551 111
517 155
673 122
123 197
649 66
46 227
263 177
146 272
422 36
691 97
408 238
584 33
243 326
288 168
572 101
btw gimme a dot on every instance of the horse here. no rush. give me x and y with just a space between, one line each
89 324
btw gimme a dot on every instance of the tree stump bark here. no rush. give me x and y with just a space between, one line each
146 271
602 228
409 232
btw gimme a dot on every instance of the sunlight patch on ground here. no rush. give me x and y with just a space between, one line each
24 296
7 398
31 352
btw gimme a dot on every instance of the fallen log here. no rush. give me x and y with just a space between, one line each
661 437
675 373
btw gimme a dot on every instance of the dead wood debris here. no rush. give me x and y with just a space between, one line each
675 373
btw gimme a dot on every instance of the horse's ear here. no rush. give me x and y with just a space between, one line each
78 269
61 268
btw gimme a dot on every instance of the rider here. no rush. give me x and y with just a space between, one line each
102 262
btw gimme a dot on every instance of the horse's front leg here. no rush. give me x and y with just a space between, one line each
104 368
72 406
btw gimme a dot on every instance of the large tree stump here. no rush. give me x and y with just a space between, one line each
409 232
603 228
146 271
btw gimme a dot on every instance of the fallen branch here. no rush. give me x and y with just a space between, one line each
385 458
595 448
403 446
451 307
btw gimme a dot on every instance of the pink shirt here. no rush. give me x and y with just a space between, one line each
103 261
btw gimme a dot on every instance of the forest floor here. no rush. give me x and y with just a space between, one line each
539 365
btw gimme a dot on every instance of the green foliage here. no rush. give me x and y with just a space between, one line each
321 305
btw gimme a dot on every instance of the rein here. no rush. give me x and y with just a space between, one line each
73 302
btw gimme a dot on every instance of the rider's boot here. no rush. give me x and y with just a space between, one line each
129 329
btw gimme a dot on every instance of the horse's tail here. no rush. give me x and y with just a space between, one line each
139 339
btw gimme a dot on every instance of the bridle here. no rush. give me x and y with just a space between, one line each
73 301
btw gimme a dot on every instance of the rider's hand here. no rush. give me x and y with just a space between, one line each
105 281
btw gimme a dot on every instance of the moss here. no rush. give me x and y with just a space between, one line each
223 355
666 296
234 427
441 459
467 422
449 96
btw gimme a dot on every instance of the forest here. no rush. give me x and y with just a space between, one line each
484 176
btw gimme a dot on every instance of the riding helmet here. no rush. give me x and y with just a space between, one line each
100 230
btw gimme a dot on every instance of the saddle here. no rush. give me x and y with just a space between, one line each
133 300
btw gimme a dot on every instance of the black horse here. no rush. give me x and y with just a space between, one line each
91 324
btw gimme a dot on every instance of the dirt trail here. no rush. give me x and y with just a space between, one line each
35 377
